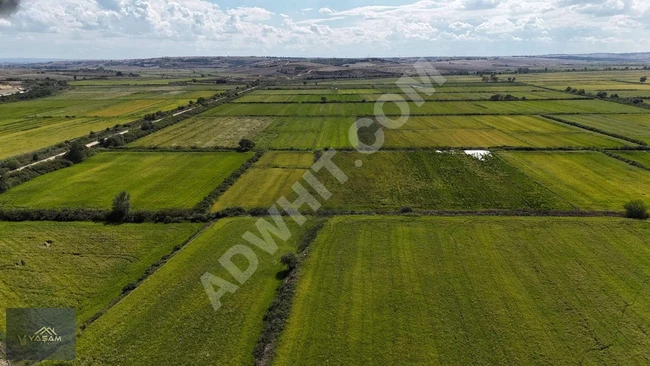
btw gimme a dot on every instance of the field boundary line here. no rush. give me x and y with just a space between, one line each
593 129
148 273
278 312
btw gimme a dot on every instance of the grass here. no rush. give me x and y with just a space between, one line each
635 126
80 265
206 132
269 179
642 157
169 320
428 108
391 180
284 159
588 180
154 180
36 124
463 291
490 131
306 133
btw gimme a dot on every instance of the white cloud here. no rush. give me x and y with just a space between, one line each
120 28
460 26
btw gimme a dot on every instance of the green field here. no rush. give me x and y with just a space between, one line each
635 126
81 265
154 180
391 180
472 290
588 180
269 179
642 157
36 124
169 320
306 133
428 108
206 132
314 97
489 131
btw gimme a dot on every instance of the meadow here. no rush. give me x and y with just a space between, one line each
588 180
269 179
157 180
392 180
491 131
472 290
636 126
642 157
306 133
169 319
206 132
428 108
36 124
78 264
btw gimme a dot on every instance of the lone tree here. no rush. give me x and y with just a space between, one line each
636 210
643 79
290 261
78 153
323 99
121 206
246 145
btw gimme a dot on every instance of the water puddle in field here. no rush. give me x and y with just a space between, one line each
479 154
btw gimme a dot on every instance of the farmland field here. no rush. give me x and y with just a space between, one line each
587 180
36 124
642 157
635 126
391 180
490 131
269 179
154 180
172 304
428 108
472 290
306 133
82 265
206 132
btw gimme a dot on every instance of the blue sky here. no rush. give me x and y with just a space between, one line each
332 28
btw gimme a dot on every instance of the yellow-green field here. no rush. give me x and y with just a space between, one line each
588 180
206 132
269 179
472 290
172 305
154 181
78 264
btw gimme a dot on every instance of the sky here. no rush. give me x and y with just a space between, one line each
118 29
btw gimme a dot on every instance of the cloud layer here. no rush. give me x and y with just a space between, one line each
142 28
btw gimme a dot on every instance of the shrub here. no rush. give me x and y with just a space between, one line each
146 126
121 206
78 152
12 164
290 261
114 141
246 145
636 210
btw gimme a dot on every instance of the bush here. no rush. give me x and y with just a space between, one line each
114 141
146 126
78 153
11 164
246 145
636 210
121 206
290 261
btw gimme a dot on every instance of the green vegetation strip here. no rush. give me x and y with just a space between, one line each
168 319
154 180
81 265
462 291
